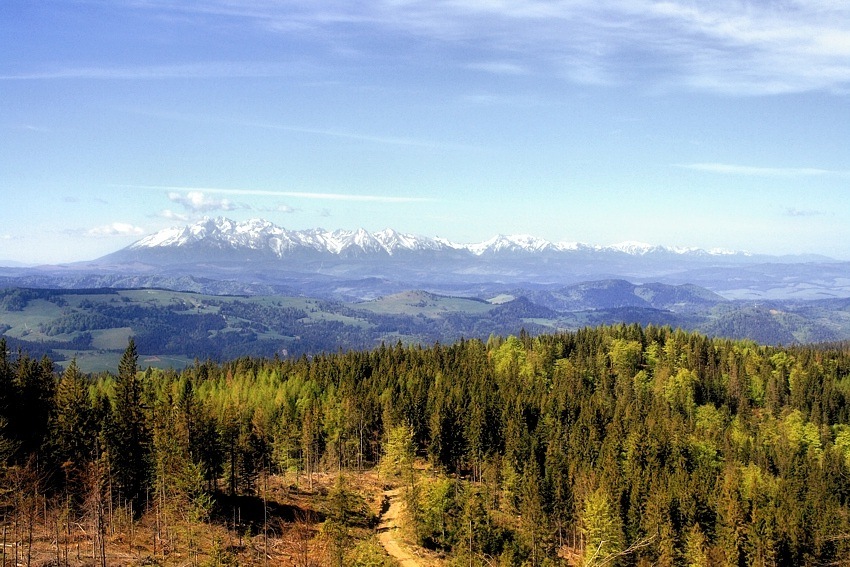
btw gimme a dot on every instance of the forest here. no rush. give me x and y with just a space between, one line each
614 445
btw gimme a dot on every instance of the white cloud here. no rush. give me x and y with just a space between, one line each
116 229
198 202
172 215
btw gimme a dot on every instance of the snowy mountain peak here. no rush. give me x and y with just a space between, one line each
510 243
636 248
261 235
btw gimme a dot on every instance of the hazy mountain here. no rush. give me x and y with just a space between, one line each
615 294
258 257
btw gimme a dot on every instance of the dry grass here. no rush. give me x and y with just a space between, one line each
291 514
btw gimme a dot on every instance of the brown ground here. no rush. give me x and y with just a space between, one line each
233 535
389 531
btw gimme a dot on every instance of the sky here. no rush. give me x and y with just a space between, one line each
710 124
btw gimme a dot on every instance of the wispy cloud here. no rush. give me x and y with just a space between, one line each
499 67
386 140
732 47
735 47
198 194
203 70
115 229
733 169
279 208
33 128
325 132
794 212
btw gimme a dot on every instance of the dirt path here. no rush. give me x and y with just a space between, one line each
388 531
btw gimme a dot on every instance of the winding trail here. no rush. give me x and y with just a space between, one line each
388 531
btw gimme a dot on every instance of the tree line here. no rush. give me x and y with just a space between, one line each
615 445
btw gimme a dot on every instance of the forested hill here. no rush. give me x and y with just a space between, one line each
614 445
173 328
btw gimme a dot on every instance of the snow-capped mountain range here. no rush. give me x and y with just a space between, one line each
219 255
261 235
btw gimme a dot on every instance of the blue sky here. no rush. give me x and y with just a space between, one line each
720 124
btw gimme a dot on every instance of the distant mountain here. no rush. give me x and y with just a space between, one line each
617 294
257 257
263 237
256 236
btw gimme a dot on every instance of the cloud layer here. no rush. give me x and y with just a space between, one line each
734 47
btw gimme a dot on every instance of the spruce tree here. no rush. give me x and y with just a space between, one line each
129 438
73 428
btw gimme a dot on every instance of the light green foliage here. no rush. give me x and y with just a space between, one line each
440 511
368 553
642 382
710 422
679 391
842 442
510 361
757 484
695 548
625 357
397 460
601 529
800 434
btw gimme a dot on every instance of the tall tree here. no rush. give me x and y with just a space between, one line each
129 436
73 428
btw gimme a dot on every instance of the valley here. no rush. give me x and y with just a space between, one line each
174 328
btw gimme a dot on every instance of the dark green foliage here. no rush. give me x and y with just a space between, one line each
128 434
27 404
75 428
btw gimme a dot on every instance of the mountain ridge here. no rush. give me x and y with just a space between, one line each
262 235
257 257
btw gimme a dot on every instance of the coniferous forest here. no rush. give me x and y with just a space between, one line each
618 445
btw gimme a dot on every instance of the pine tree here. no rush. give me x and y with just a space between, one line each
73 427
129 437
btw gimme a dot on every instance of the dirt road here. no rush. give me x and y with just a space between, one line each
388 532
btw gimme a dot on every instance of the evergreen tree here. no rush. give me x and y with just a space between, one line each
129 441
74 427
